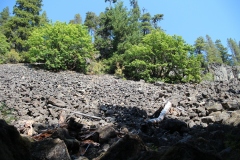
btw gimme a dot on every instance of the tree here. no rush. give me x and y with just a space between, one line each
146 23
155 19
213 55
223 51
26 17
92 22
77 19
4 16
43 19
4 45
235 49
111 1
161 56
61 46
200 46
118 29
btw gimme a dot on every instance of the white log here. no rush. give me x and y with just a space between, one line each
162 114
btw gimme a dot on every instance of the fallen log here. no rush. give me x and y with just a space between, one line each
162 114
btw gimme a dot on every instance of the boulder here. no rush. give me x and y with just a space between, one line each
12 145
51 149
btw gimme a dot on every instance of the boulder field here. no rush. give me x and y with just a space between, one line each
68 115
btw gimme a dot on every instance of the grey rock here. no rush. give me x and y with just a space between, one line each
52 149
215 107
208 119
56 102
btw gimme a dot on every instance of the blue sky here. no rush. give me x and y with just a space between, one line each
187 18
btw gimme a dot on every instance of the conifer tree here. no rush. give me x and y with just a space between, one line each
26 17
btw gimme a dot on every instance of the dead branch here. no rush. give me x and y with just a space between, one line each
162 114
76 112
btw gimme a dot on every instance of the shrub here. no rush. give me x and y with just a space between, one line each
95 68
12 57
161 56
208 77
61 46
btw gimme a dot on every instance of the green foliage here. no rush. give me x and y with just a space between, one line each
213 54
61 46
77 19
199 45
18 28
223 52
4 16
118 30
96 67
12 57
208 77
119 71
161 56
6 113
91 21
235 49
4 45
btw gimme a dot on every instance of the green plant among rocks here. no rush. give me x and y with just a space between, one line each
6 113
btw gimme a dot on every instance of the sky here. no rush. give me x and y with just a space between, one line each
187 18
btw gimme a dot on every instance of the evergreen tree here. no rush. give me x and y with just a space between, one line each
44 19
117 27
77 19
223 51
26 17
92 22
199 45
146 23
111 1
213 55
235 49
155 19
4 16
4 46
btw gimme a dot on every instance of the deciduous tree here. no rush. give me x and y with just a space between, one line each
61 46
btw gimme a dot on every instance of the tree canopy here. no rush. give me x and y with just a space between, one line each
61 46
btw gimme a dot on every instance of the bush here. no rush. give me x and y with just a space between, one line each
208 77
12 57
95 68
161 57
61 46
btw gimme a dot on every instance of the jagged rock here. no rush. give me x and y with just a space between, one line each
51 149
215 107
220 116
106 133
208 119
12 145
56 102
128 147
230 105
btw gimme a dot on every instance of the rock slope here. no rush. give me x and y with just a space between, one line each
204 117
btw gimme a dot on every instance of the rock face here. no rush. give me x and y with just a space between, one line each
204 118
224 72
